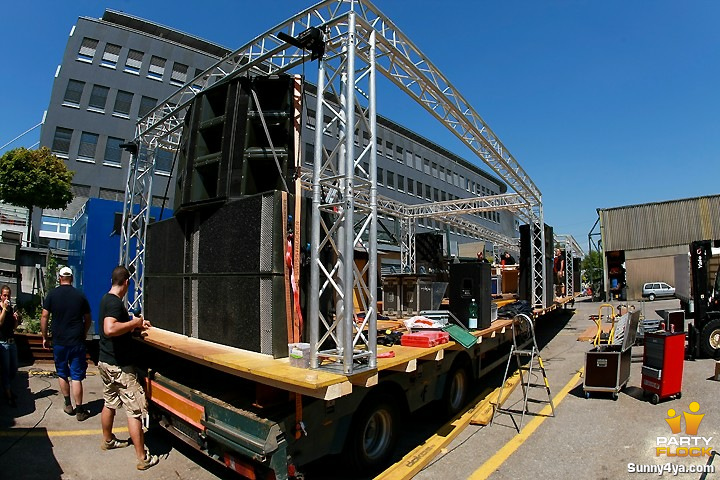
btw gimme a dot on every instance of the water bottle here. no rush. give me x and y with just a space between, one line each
473 314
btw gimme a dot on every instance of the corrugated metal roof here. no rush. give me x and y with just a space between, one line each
662 224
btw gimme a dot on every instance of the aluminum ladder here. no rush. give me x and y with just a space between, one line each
520 354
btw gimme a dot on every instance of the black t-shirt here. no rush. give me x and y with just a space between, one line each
68 307
7 329
118 350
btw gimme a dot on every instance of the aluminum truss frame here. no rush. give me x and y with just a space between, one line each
355 31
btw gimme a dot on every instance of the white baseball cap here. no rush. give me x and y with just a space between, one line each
65 272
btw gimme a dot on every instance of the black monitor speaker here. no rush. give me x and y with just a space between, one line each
468 281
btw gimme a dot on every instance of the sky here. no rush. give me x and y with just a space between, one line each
603 104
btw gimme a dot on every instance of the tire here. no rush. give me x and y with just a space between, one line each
457 389
615 396
710 338
651 297
655 399
373 433
678 396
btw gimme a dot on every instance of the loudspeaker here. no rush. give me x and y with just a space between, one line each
468 281
429 251
219 274
525 264
234 131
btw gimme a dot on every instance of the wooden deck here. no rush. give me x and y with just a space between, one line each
279 373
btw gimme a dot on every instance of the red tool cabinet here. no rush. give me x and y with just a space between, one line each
662 369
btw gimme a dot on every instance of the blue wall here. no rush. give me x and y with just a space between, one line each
95 249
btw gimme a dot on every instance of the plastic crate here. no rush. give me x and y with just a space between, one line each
424 339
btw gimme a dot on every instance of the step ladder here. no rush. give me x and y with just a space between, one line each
525 370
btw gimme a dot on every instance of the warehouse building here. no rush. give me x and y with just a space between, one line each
641 242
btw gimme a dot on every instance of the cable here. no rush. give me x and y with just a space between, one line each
43 414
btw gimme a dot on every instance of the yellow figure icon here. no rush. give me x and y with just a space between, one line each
692 420
674 422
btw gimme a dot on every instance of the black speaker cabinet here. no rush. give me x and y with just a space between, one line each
239 139
525 264
218 274
429 252
468 281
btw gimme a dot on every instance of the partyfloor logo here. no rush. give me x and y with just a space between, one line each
689 444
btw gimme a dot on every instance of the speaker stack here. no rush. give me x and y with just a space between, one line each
468 281
526 267
216 271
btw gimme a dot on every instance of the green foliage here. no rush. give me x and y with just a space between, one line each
51 272
34 178
592 265
30 313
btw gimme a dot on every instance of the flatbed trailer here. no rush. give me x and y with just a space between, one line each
265 418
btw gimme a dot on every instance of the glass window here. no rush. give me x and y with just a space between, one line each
388 149
123 102
98 98
418 163
380 179
87 50
408 158
426 164
110 55
434 170
178 77
146 104
436 195
73 92
411 186
134 61
366 139
427 192
356 136
157 68
61 140
379 146
328 128
399 153
309 154
311 118
401 183
390 179
88 145
113 152
163 160
441 171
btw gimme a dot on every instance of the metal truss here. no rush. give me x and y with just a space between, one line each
136 216
572 251
360 42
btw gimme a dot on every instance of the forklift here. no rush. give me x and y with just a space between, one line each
704 333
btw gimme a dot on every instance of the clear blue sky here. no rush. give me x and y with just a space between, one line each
603 103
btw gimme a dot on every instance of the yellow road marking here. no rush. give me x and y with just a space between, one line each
39 432
494 462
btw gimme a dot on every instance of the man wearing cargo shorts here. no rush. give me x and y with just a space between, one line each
121 387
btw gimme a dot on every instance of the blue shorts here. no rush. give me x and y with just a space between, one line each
70 361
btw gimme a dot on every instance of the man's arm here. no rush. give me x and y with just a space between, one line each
113 328
88 322
43 327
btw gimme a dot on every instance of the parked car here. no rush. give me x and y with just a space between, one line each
654 290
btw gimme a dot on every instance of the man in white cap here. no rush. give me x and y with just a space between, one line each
70 323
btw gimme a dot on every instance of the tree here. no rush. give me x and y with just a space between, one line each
592 265
34 178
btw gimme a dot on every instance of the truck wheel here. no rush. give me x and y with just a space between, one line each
651 297
457 388
710 338
373 434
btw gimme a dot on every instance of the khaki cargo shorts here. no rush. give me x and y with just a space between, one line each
122 389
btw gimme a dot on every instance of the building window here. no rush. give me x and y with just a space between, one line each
309 154
73 93
427 192
134 62
436 195
418 163
408 158
434 170
327 127
111 194
146 105
390 179
87 50
61 141
113 152
88 145
98 98
157 68
399 153
163 161
123 102
356 136
441 171
178 77
380 179
401 183
379 147
366 139
410 186
197 84
311 119
111 55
